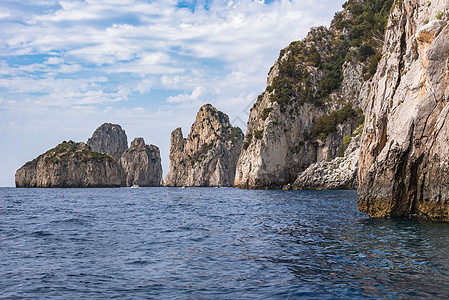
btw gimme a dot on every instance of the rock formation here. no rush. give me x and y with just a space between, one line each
141 165
315 96
208 156
70 164
339 173
109 138
404 162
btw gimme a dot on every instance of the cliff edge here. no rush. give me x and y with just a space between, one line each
404 162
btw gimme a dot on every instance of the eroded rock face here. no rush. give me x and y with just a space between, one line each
298 120
337 174
71 165
404 162
141 165
209 154
109 138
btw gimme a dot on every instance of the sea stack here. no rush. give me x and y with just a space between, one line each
404 162
209 154
110 139
70 165
141 165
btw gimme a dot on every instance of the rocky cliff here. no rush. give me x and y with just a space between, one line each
404 162
109 138
141 165
209 154
316 93
70 164
337 174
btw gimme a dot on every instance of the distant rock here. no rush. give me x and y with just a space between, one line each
71 165
209 154
141 165
109 138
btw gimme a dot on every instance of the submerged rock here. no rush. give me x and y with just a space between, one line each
109 138
141 165
70 164
404 162
209 154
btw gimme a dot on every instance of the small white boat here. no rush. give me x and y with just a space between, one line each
134 186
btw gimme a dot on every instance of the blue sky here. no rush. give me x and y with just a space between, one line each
66 67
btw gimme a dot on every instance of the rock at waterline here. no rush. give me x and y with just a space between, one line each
71 165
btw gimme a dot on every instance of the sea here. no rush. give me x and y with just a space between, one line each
212 243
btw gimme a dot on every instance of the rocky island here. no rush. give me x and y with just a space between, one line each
68 165
141 165
105 161
209 154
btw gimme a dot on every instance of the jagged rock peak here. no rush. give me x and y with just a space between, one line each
141 165
70 164
207 157
109 138
404 161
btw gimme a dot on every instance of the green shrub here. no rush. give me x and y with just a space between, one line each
100 156
324 125
347 140
266 112
258 134
439 15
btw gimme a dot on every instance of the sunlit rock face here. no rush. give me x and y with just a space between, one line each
404 161
209 154
70 165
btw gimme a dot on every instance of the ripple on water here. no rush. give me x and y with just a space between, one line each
212 243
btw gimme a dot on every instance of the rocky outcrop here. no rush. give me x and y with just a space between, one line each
316 94
209 154
404 162
337 174
141 165
70 164
110 139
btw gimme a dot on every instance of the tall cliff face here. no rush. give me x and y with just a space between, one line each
315 95
404 163
141 165
209 154
109 138
70 164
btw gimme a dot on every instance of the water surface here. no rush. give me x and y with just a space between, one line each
212 243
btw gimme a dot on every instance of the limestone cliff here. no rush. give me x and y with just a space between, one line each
141 165
70 164
109 138
404 163
209 154
316 93
339 173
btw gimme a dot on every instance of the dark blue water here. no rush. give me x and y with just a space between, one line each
209 243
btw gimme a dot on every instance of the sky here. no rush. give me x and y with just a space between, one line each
66 67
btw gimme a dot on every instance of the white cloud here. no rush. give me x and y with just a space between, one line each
185 97
108 60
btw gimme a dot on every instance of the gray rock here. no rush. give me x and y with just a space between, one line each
278 145
337 174
141 165
109 138
209 154
72 165
404 160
